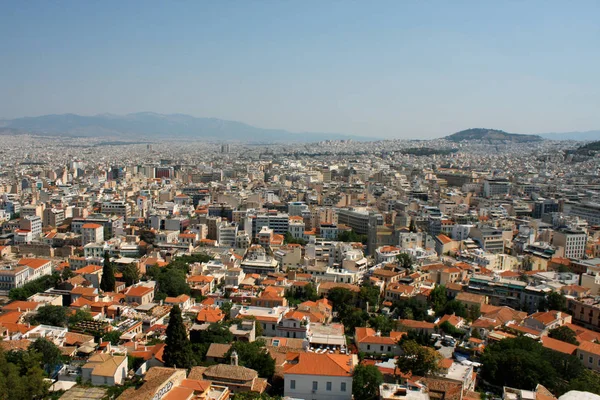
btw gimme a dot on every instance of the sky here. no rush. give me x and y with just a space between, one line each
394 69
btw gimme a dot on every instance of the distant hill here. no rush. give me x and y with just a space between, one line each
588 149
491 135
147 125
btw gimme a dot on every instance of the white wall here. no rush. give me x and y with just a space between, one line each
304 387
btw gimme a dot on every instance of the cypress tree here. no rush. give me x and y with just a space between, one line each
412 226
178 350
108 275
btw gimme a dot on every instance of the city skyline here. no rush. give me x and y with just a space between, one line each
395 71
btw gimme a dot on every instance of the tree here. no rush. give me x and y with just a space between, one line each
412 308
438 298
417 359
382 324
351 236
412 226
289 239
365 382
421 337
254 356
369 294
113 337
474 312
455 307
51 315
178 351
21 375
564 334
310 293
449 329
51 354
147 236
108 275
556 302
354 318
522 363
226 309
40 284
341 298
404 260
78 316
215 333
66 274
131 274
170 280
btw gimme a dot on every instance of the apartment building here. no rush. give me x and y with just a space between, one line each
119 208
92 233
32 223
573 241
53 217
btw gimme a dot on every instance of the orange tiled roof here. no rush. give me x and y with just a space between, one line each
34 263
210 315
558 345
319 364
590 347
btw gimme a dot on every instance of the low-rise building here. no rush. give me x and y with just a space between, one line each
319 376
105 369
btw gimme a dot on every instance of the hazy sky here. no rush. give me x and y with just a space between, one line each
385 69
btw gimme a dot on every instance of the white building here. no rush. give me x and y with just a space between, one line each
573 241
226 234
120 208
92 233
319 376
32 223
105 370
296 227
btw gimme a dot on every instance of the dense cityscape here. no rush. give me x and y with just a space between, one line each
393 269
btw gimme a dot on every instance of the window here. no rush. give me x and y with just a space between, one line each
315 385
368 347
343 387
591 360
292 384
329 386
389 348
381 348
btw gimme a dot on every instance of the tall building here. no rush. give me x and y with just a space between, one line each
496 187
33 224
573 241
544 206
357 219
53 216
278 222
226 234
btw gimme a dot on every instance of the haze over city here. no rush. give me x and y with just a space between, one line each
389 70
299 200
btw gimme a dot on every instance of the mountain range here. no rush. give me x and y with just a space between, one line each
153 126
147 125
